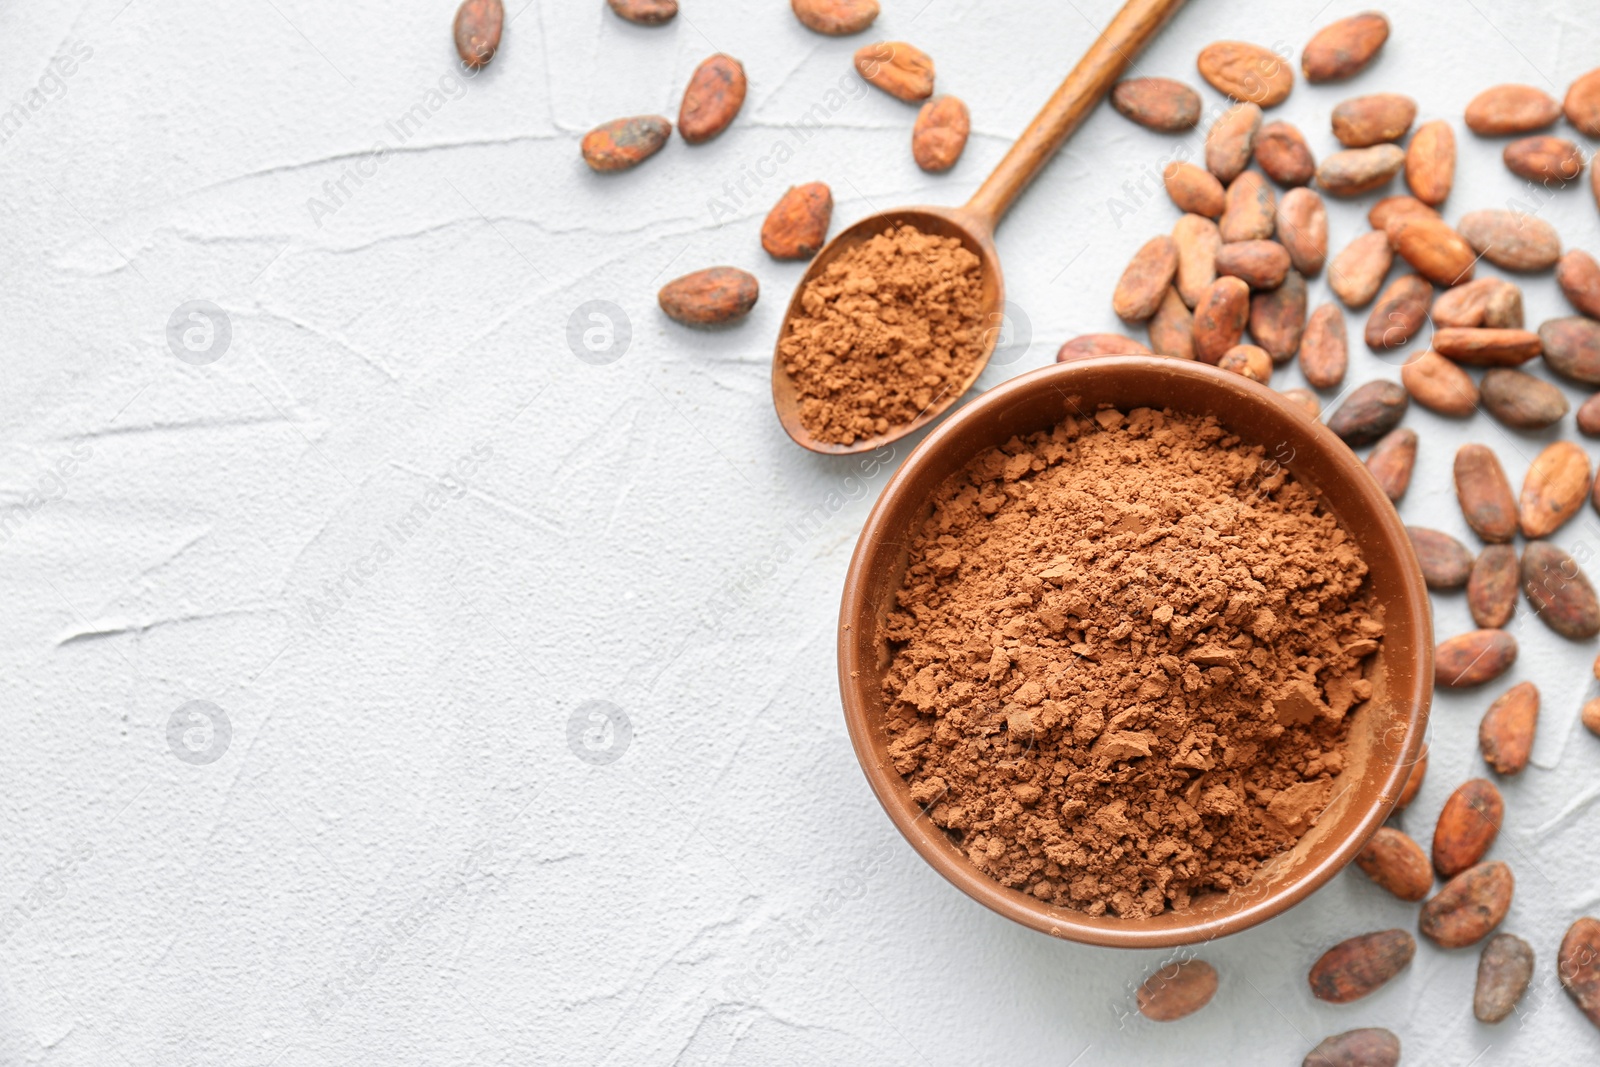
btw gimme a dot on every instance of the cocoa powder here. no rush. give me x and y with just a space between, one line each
1123 658
888 329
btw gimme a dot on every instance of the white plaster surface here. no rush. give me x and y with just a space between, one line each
396 855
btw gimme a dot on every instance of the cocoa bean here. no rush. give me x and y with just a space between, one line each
1369 412
1251 209
1194 190
1522 401
1343 49
1282 152
1435 250
1219 318
646 12
1302 226
1172 328
1511 109
1511 239
1146 280
1177 989
1246 72
1578 274
1360 170
1431 162
940 134
1589 416
1492 586
1230 141
1356 273
1439 385
1578 964
1392 460
1397 864
1371 1046
1571 348
1360 965
1100 344
1544 159
1505 736
1419 771
1484 493
1445 562
1305 400
1278 317
716 296
836 18
1504 970
1554 489
1197 239
1159 104
1260 264
625 143
1395 207
1378 118
1590 716
904 72
1473 658
712 100
1468 906
478 26
1467 826
1324 349
1484 347
1582 105
1464 305
1559 591
1401 310
1503 310
1251 361
797 225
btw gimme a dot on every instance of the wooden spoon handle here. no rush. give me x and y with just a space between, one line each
1110 55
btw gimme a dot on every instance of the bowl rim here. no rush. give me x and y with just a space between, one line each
855 675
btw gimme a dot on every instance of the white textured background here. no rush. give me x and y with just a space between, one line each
397 856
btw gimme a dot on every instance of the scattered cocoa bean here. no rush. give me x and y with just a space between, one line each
1431 162
1559 591
1230 141
1504 970
940 134
1510 239
1251 361
1261 264
1435 250
797 225
712 100
1360 170
1571 348
625 143
1401 310
1392 460
1282 152
1305 400
1484 347
1468 906
1343 49
1473 658
1589 416
1219 318
1172 328
1159 104
1251 209
1522 401
1378 118
1439 385
1505 736
1371 1046
1194 190
836 18
1578 274
1503 310
1370 411
1100 344
1578 964
1590 716
1484 493
1177 989
1356 967
715 296
1246 72
902 71
1544 159
1474 303
1197 239
1468 825
1492 586
1395 207
1278 317
1302 226
1397 863
1511 109
1324 349
1554 489
1356 273
1582 106
1419 771
478 26
1446 563
645 12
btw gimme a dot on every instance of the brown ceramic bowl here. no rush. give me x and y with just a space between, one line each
1386 732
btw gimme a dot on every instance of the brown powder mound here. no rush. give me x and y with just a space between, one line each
1122 661
888 329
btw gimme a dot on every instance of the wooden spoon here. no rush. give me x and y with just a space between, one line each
974 222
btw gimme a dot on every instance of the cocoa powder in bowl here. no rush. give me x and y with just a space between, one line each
1123 661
